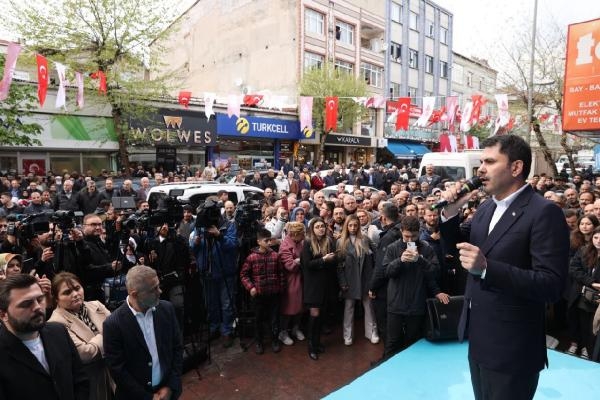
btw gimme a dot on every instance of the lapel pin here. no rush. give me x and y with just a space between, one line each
513 214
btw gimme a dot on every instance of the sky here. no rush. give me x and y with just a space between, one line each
480 26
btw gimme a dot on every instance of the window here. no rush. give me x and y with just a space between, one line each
469 79
429 64
443 69
396 12
444 35
413 21
314 22
412 92
373 74
344 66
429 28
413 58
427 94
481 83
312 60
344 32
394 90
396 52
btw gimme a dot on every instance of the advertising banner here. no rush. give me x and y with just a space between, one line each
247 126
581 106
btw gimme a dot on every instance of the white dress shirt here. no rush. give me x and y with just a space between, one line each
146 323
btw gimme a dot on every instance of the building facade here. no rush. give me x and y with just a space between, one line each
471 75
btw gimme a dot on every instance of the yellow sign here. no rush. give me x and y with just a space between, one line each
242 125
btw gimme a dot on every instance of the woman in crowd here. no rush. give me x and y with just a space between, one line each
316 261
11 263
366 227
585 274
291 301
84 322
299 215
276 223
354 274
580 238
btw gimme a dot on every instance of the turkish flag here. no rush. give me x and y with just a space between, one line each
331 113
478 102
445 143
42 70
403 116
184 98
102 88
252 100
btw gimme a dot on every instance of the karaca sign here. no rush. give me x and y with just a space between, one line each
174 127
581 106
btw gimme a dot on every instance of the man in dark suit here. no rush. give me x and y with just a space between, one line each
38 360
517 257
142 343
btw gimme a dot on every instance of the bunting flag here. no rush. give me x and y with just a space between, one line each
306 111
42 72
503 114
184 98
253 100
478 103
10 63
451 107
102 87
436 116
331 113
453 143
465 120
209 102
375 102
403 113
360 101
233 105
79 80
445 143
468 142
61 95
428 106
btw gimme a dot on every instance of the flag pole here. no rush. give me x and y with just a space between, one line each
530 84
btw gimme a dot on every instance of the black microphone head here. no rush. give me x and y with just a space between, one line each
473 183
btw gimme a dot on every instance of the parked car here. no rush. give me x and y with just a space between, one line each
329 190
194 193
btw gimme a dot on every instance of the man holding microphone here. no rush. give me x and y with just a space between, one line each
516 253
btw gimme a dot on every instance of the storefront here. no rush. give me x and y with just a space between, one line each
255 142
348 148
404 152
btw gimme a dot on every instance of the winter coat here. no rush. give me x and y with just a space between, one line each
316 275
224 252
291 301
263 272
354 271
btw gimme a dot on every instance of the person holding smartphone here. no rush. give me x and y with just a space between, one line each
411 266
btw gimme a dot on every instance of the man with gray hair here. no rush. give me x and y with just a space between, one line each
142 341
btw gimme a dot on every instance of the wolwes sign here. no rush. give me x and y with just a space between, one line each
581 108
174 127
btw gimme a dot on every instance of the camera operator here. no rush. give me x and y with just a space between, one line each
168 254
214 243
96 261
186 226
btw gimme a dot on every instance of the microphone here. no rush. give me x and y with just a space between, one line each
470 185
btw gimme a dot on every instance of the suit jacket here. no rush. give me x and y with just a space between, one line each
128 358
527 264
23 377
88 344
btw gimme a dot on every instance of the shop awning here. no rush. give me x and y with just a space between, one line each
406 150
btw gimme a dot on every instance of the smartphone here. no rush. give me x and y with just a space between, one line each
411 246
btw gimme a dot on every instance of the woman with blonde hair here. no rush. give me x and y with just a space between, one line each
316 261
291 301
354 274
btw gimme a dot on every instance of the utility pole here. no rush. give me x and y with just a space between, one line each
530 83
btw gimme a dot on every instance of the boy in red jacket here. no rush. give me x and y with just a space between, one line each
263 276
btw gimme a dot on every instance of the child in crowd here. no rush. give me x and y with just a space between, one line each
263 276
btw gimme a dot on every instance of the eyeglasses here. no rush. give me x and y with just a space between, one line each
95 224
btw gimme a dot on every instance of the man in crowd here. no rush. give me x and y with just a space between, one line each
67 199
35 206
89 198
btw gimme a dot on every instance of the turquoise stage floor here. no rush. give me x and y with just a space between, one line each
439 371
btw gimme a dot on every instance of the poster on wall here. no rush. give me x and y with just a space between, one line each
581 104
34 166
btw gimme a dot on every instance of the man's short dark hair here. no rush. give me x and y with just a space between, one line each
390 212
410 223
221 193
19 281
514 147
569 212
189 208
6 194
263 234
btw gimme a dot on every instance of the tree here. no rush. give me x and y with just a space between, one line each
329 81
20 104
102 35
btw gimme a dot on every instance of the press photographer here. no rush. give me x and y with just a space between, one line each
215 245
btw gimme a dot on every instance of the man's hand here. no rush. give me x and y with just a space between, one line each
253 292
47 254
443 297
213 231
471 258
164 393
44 283
454 202
372 295
76 235
116 265
409 256
152 256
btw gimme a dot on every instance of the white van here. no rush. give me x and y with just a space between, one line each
452 166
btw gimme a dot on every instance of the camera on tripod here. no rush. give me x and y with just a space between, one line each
208 214
247 213
168 211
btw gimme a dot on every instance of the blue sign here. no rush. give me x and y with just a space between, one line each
247 126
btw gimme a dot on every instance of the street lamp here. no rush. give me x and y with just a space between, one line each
530 83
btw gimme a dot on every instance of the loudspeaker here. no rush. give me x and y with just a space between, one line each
442 319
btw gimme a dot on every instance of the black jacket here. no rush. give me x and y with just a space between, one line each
389 235
96 265
65 203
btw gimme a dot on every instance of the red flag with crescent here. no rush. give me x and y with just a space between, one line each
184 98
478 103
331 113
252 100
42 70
403 116
102 87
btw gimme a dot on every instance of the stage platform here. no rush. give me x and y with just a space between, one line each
439 371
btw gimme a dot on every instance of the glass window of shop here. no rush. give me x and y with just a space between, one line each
247 154
8 163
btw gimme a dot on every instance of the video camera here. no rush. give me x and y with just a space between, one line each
208 214
247 213
26 227
168 211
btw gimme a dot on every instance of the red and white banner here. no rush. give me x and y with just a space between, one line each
503 114
233 105
209 102
42 72
253 100
101 76
306 112
331 113
375 102
465 119
36 167
79 80
61 94
403 113
478 102
10 63
428 106
184 98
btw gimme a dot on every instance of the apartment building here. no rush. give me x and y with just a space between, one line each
471 75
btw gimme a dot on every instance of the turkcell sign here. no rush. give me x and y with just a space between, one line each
247 126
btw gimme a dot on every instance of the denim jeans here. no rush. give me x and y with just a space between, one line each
221 302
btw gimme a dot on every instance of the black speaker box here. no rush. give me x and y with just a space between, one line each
442 319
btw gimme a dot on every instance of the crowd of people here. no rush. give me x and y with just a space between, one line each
314 260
